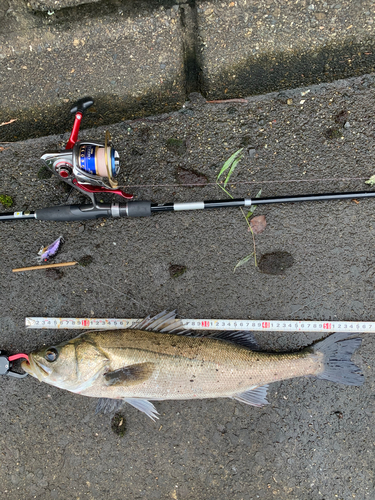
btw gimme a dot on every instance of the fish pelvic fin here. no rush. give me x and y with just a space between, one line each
144 406
338 350
107 405
129 375
254 397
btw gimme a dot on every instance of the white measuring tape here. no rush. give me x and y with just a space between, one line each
207 324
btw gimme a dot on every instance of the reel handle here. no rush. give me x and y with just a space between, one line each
81 105
78 109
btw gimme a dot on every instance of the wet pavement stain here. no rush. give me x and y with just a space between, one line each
54 274
186 176
176 270
275 262
118 424
332 133
86 260
176 146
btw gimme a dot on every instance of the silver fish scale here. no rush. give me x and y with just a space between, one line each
189 367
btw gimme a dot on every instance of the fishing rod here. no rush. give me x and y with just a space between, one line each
92 167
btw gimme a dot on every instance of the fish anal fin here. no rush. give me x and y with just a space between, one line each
255 397
129 375
144 406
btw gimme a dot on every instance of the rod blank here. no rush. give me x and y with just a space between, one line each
140 208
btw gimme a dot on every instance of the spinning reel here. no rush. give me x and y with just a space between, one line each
88 166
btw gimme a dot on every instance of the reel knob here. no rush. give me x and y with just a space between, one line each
65 172
63 168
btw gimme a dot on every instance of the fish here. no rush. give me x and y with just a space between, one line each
45 253
157 359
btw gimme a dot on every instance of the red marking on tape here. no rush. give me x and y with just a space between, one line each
327 326
206 323
266 324
85 322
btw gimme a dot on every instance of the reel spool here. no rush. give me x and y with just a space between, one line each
93 162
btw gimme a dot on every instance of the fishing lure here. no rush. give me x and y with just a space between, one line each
45 253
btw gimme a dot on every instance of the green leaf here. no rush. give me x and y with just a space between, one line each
225 191
229 163
371 180
253 207
243 261
234 165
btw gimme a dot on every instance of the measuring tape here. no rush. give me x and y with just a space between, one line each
207 324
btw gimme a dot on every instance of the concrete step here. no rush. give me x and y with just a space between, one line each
138 59
255 47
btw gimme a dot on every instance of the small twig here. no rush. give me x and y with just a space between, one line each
247 222
10 121
252 234
231 164
44 266
224 101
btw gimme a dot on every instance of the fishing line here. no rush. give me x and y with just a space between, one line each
239 183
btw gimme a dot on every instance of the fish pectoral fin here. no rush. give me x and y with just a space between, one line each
254 397
144 406
129 375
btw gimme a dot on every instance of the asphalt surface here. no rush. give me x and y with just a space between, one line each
315 440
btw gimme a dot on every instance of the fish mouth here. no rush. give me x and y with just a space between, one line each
35 368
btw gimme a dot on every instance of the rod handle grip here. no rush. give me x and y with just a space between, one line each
138 208
71 213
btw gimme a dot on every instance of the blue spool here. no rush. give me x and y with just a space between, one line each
88 160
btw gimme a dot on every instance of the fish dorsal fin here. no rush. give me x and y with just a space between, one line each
164 322
129 375
255 397
245 339
144 406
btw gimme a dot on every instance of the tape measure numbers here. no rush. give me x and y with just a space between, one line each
207 324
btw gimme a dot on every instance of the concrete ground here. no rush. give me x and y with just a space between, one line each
141 58
315 440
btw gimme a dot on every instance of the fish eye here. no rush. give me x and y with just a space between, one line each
51 355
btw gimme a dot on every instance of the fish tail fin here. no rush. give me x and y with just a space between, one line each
338 350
